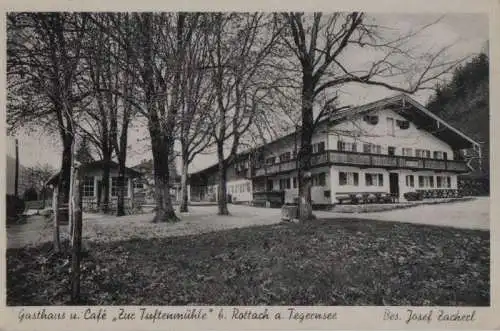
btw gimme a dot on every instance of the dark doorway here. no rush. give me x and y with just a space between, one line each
99 192
391 150
394 184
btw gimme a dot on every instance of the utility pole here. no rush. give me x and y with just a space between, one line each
16 178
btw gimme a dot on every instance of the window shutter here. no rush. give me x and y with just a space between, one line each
380 180
356 178
354 147
339 145
368 180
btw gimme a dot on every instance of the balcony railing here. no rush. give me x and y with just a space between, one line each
365 160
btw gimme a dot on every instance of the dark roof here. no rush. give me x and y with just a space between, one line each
96 165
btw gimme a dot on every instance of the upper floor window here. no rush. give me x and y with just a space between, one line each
425 153
285 157
403 125
371 119
270 160
390 126
319 147
438 155
284 183
371 148
345 146
407 152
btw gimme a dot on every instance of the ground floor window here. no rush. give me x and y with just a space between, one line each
426 181
285 184
348 178
410 181
88 187
115 186
295 182
443 181
407 152
374 179
319 179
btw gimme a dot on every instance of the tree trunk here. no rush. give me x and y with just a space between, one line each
62 196
184 190
221 192
164 208
120 203
305 152
104 207
76 238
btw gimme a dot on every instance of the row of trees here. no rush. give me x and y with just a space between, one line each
200 79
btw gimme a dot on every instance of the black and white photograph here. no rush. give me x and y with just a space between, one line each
237 158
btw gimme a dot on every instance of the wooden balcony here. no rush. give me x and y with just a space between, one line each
365 160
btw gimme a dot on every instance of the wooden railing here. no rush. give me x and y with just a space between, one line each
365 160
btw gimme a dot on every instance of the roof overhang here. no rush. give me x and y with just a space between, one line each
416 113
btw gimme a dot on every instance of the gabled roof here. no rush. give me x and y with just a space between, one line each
408 107
96 165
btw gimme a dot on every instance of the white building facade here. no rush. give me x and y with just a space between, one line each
392 146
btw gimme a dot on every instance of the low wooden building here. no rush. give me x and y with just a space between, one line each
92 175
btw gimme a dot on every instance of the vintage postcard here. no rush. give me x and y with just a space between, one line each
319 165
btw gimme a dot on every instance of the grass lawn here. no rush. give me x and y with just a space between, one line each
327 262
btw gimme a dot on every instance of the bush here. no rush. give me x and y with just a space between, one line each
15 207
413 196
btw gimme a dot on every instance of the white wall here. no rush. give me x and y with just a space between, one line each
233 188
361 187
378 134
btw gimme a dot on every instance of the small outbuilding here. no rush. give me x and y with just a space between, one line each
92 175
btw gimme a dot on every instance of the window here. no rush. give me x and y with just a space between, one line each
88 187
285 157
448 182
319 147
445 156
390 126
371 148
319 179
115 185
138 185
249 187
403 125
410 181
371 119
270 160
374 179
348 178
438 155
295 182
344 146
391 150
426 181
284 183
407 152
423 153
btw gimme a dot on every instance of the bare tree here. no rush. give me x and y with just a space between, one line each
43 69
198 98
319 43
240 45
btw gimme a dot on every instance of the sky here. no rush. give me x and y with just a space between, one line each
468 33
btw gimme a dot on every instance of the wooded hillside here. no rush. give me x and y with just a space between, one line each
464 103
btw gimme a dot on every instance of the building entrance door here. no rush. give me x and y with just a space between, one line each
394 184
